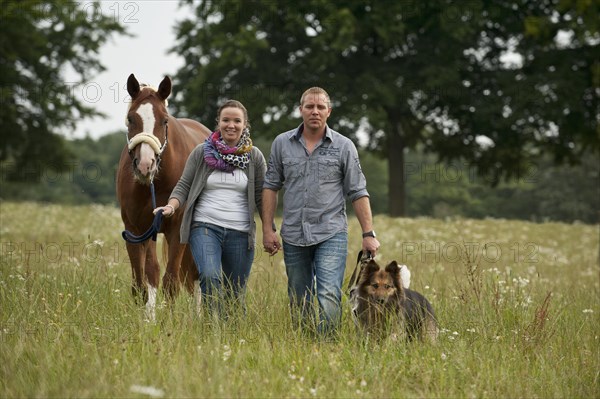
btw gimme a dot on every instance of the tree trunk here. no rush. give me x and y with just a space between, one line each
396 180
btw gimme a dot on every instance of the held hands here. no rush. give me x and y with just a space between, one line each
168 210
271 243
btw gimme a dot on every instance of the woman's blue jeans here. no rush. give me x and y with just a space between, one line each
223 260
316 269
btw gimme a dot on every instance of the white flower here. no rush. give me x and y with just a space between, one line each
226 352
147 390
588 311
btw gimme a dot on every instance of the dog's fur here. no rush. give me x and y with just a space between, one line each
382 306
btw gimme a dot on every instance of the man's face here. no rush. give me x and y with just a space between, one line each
315 111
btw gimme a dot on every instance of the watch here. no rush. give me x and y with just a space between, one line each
369 234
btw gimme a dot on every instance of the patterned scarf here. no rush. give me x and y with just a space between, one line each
218 155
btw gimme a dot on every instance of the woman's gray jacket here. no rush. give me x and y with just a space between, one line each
193 180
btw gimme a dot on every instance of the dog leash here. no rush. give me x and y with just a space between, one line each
360 260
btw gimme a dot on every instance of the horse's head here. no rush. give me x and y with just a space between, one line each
147 124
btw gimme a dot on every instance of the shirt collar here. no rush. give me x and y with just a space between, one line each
298 132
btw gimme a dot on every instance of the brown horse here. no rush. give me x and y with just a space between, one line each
158 147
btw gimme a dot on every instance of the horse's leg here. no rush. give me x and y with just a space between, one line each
152 271
171 277
137 258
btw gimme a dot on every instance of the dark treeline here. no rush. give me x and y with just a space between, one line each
541 192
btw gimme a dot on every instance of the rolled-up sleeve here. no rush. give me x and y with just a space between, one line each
274 176
355 183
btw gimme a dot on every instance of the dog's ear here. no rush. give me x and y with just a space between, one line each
394 270
369 268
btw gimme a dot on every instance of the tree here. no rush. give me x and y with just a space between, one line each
406 73
39 40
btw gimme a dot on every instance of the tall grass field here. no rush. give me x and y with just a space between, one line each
517 303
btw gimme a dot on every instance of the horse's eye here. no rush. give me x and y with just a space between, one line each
165 121
387 286
129 120
375 285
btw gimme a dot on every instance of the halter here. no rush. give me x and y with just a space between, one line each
154 143
151 140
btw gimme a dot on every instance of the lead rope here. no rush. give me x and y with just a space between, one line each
154 228
360 260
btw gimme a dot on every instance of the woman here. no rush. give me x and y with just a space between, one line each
221 188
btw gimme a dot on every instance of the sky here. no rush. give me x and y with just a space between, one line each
145 55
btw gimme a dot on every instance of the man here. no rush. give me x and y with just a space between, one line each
318 169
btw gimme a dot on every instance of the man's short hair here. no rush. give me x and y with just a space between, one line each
317 91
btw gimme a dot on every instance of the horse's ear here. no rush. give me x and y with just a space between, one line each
133 86
164 89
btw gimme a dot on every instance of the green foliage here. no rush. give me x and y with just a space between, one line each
87 177
541 192
69 327
409 73
39 41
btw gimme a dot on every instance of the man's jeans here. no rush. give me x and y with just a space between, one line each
323 264
223 259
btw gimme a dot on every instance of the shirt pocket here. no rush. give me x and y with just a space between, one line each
293 168
329 170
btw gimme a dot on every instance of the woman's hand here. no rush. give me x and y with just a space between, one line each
271 242
168 210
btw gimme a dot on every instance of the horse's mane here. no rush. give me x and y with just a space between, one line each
146 91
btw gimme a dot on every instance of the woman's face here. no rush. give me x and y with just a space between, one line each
231 125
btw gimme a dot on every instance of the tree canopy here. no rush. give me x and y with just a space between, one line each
39 41
493 83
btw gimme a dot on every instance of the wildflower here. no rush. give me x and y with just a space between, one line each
313 391
226 352
147 390
363 383
588 311
444 356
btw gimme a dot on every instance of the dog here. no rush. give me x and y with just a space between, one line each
383 305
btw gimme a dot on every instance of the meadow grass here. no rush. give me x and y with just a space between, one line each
517 303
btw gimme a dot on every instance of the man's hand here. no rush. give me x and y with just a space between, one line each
370 244
271 242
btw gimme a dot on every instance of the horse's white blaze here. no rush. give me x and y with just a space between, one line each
147 157
151 304
198 297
